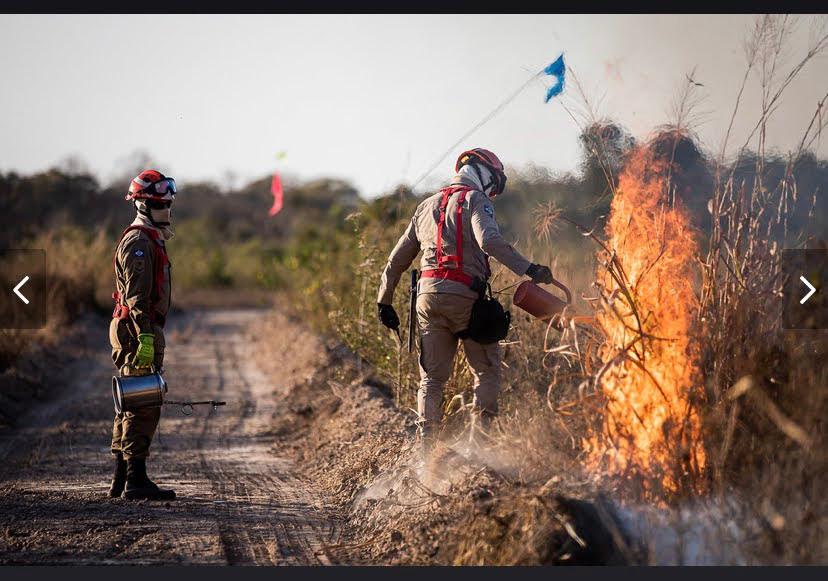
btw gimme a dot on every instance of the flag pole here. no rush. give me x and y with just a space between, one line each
477 126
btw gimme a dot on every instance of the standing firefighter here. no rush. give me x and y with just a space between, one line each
457 232
142 299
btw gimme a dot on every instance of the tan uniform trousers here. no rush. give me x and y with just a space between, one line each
132 432
441 316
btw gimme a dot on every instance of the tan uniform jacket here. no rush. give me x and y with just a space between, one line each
135 270
481 236
135 281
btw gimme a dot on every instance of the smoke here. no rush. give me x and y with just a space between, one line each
701 533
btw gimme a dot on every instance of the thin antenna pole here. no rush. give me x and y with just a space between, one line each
477 126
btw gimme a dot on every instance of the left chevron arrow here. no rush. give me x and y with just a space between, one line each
18 287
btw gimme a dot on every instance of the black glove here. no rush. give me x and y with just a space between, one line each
388 316
539 273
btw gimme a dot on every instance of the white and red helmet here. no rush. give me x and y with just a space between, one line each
151 185
490 161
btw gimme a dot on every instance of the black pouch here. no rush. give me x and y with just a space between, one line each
489 321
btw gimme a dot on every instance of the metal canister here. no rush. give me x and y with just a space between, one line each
138 391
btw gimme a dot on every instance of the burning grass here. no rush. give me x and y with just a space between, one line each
650 373
674 392
630 403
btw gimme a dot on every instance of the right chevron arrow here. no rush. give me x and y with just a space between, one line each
810 292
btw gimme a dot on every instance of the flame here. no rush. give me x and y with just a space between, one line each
649 429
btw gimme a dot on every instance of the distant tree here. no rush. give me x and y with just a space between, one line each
130 165
691 171
73 165
604 146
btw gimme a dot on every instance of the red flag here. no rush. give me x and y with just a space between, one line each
278 194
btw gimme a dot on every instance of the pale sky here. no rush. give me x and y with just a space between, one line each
373 99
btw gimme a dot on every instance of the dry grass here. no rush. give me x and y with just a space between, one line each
764 400
73 279
765 446
74 284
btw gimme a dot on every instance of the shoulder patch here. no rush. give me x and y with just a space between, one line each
139 252
488 209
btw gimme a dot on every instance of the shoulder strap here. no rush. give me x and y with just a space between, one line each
440 222
459 220
161 258
154 235
457 259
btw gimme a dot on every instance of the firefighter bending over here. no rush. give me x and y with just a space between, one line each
457 232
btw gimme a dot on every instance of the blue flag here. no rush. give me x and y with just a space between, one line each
555 69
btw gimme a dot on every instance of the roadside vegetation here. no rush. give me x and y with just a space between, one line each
684 392
742 442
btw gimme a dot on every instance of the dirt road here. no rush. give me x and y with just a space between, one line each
240 501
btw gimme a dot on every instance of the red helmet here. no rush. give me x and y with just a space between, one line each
488 160
151 184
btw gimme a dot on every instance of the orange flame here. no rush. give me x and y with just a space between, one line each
650 429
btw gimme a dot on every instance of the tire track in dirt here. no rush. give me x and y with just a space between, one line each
266 516
239 501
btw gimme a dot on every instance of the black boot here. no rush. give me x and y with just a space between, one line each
119 478
139 486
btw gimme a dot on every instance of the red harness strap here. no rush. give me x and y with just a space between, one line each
456 273
161 260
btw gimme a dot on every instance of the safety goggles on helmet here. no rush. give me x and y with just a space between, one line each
163 189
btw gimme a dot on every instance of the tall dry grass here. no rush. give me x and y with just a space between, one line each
766 386
762 390
75 283
764 399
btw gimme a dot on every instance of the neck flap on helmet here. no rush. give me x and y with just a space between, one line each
481 177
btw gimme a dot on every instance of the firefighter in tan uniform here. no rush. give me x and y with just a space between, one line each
452 276
136 332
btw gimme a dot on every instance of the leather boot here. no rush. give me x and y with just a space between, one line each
139 486
119 478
